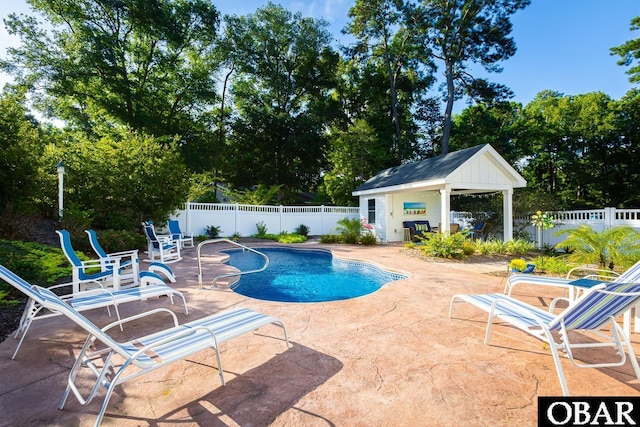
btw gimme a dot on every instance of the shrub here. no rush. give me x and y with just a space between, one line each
368 239
119 240
443 245
349 230
468 248
519 247
37 264
212 231
236 236
303 230
329 238
292 238
262 229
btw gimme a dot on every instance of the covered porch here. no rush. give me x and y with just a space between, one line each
423 190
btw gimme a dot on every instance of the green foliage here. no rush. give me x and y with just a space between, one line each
481 36
147 66
212 231
282 97
630 52
349 230
443 245
368 239
37 264
20 154
292 238
557 265
120 240
236 236
262 229
518 264
606 248
6 299
121 177
303 230
260 195
329 238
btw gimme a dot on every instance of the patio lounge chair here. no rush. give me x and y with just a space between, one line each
108 365
107 272
574 286
151 285
154 267
128 259
177 235
162 247
594 310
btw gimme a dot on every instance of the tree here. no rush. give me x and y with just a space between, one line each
461 32
606 248
146 64
384 37
120 178
351 156
285 70
21 147
488 124
630 52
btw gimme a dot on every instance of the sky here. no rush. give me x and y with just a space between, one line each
563 45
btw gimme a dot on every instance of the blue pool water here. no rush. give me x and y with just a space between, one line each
300 275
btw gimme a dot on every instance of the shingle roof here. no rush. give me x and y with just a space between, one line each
424 170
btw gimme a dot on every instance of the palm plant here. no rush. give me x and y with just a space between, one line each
606 248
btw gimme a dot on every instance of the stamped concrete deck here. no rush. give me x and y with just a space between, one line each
392 358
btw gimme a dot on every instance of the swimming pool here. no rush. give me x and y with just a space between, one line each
305 275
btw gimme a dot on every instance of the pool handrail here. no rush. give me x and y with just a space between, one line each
220 276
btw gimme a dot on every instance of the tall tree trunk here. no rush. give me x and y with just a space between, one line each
446 131
394 107
221 130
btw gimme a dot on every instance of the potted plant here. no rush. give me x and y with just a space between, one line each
521 266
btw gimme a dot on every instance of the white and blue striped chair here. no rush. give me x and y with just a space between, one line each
131 260
596 309
151 286
163 247
110 363
575 286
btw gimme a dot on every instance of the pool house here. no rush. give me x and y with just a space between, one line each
422 190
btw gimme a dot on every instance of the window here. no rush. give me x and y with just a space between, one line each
371 209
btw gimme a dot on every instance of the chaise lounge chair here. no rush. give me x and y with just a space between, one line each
108 365
151 286
588 314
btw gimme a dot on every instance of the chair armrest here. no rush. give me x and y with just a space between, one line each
124 254
140 316
98 263
595 272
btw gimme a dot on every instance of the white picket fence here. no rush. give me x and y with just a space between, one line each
598 219
235 218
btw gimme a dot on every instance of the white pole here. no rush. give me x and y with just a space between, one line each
60 189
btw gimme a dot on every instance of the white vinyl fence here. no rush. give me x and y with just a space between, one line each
236 218
598 219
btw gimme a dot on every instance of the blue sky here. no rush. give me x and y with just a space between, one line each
563 45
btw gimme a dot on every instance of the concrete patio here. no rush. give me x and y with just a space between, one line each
392 358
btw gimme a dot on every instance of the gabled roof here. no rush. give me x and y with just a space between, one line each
441 170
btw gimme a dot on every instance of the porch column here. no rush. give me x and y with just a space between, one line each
445 209
507 211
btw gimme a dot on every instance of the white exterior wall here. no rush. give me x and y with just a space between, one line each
380 226
390 212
